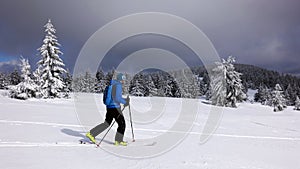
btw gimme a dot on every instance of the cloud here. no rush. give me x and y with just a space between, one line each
264 33
9 66
11 63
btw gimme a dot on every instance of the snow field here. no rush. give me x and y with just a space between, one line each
45 133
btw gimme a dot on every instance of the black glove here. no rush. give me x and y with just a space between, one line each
127 101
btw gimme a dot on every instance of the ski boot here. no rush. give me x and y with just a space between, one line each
122 143
91 137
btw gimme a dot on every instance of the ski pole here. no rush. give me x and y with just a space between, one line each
133 140
109 129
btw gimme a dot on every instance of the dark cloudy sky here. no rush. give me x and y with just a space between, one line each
265 33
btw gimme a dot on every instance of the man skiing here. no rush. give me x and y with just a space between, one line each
113 111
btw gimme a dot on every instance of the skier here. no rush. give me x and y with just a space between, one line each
113 111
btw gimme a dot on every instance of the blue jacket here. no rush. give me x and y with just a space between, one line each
116 95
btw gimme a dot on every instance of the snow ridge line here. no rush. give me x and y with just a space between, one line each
41 123
226 135
160 131
32 144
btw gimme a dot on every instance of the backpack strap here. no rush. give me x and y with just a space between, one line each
113 92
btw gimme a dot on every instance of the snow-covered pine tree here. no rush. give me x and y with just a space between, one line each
297 103
290 95
167 85
202 87
137 85
126 84
84 83
195 86
89 83
177 92
217 91
208 93
27 88
168 88
263 95
148 85
37 77
234 88
158 81
137 89
110 75
189 84
68 84
101 81
278 99
258 96
181 84
2 80
78 83
51 63
15 78
234 83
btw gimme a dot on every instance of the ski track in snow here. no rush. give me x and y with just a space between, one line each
16 144
266 125
40 123
70 144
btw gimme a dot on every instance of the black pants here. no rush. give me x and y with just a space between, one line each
112 113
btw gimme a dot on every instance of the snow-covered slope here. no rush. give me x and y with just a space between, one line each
45 134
